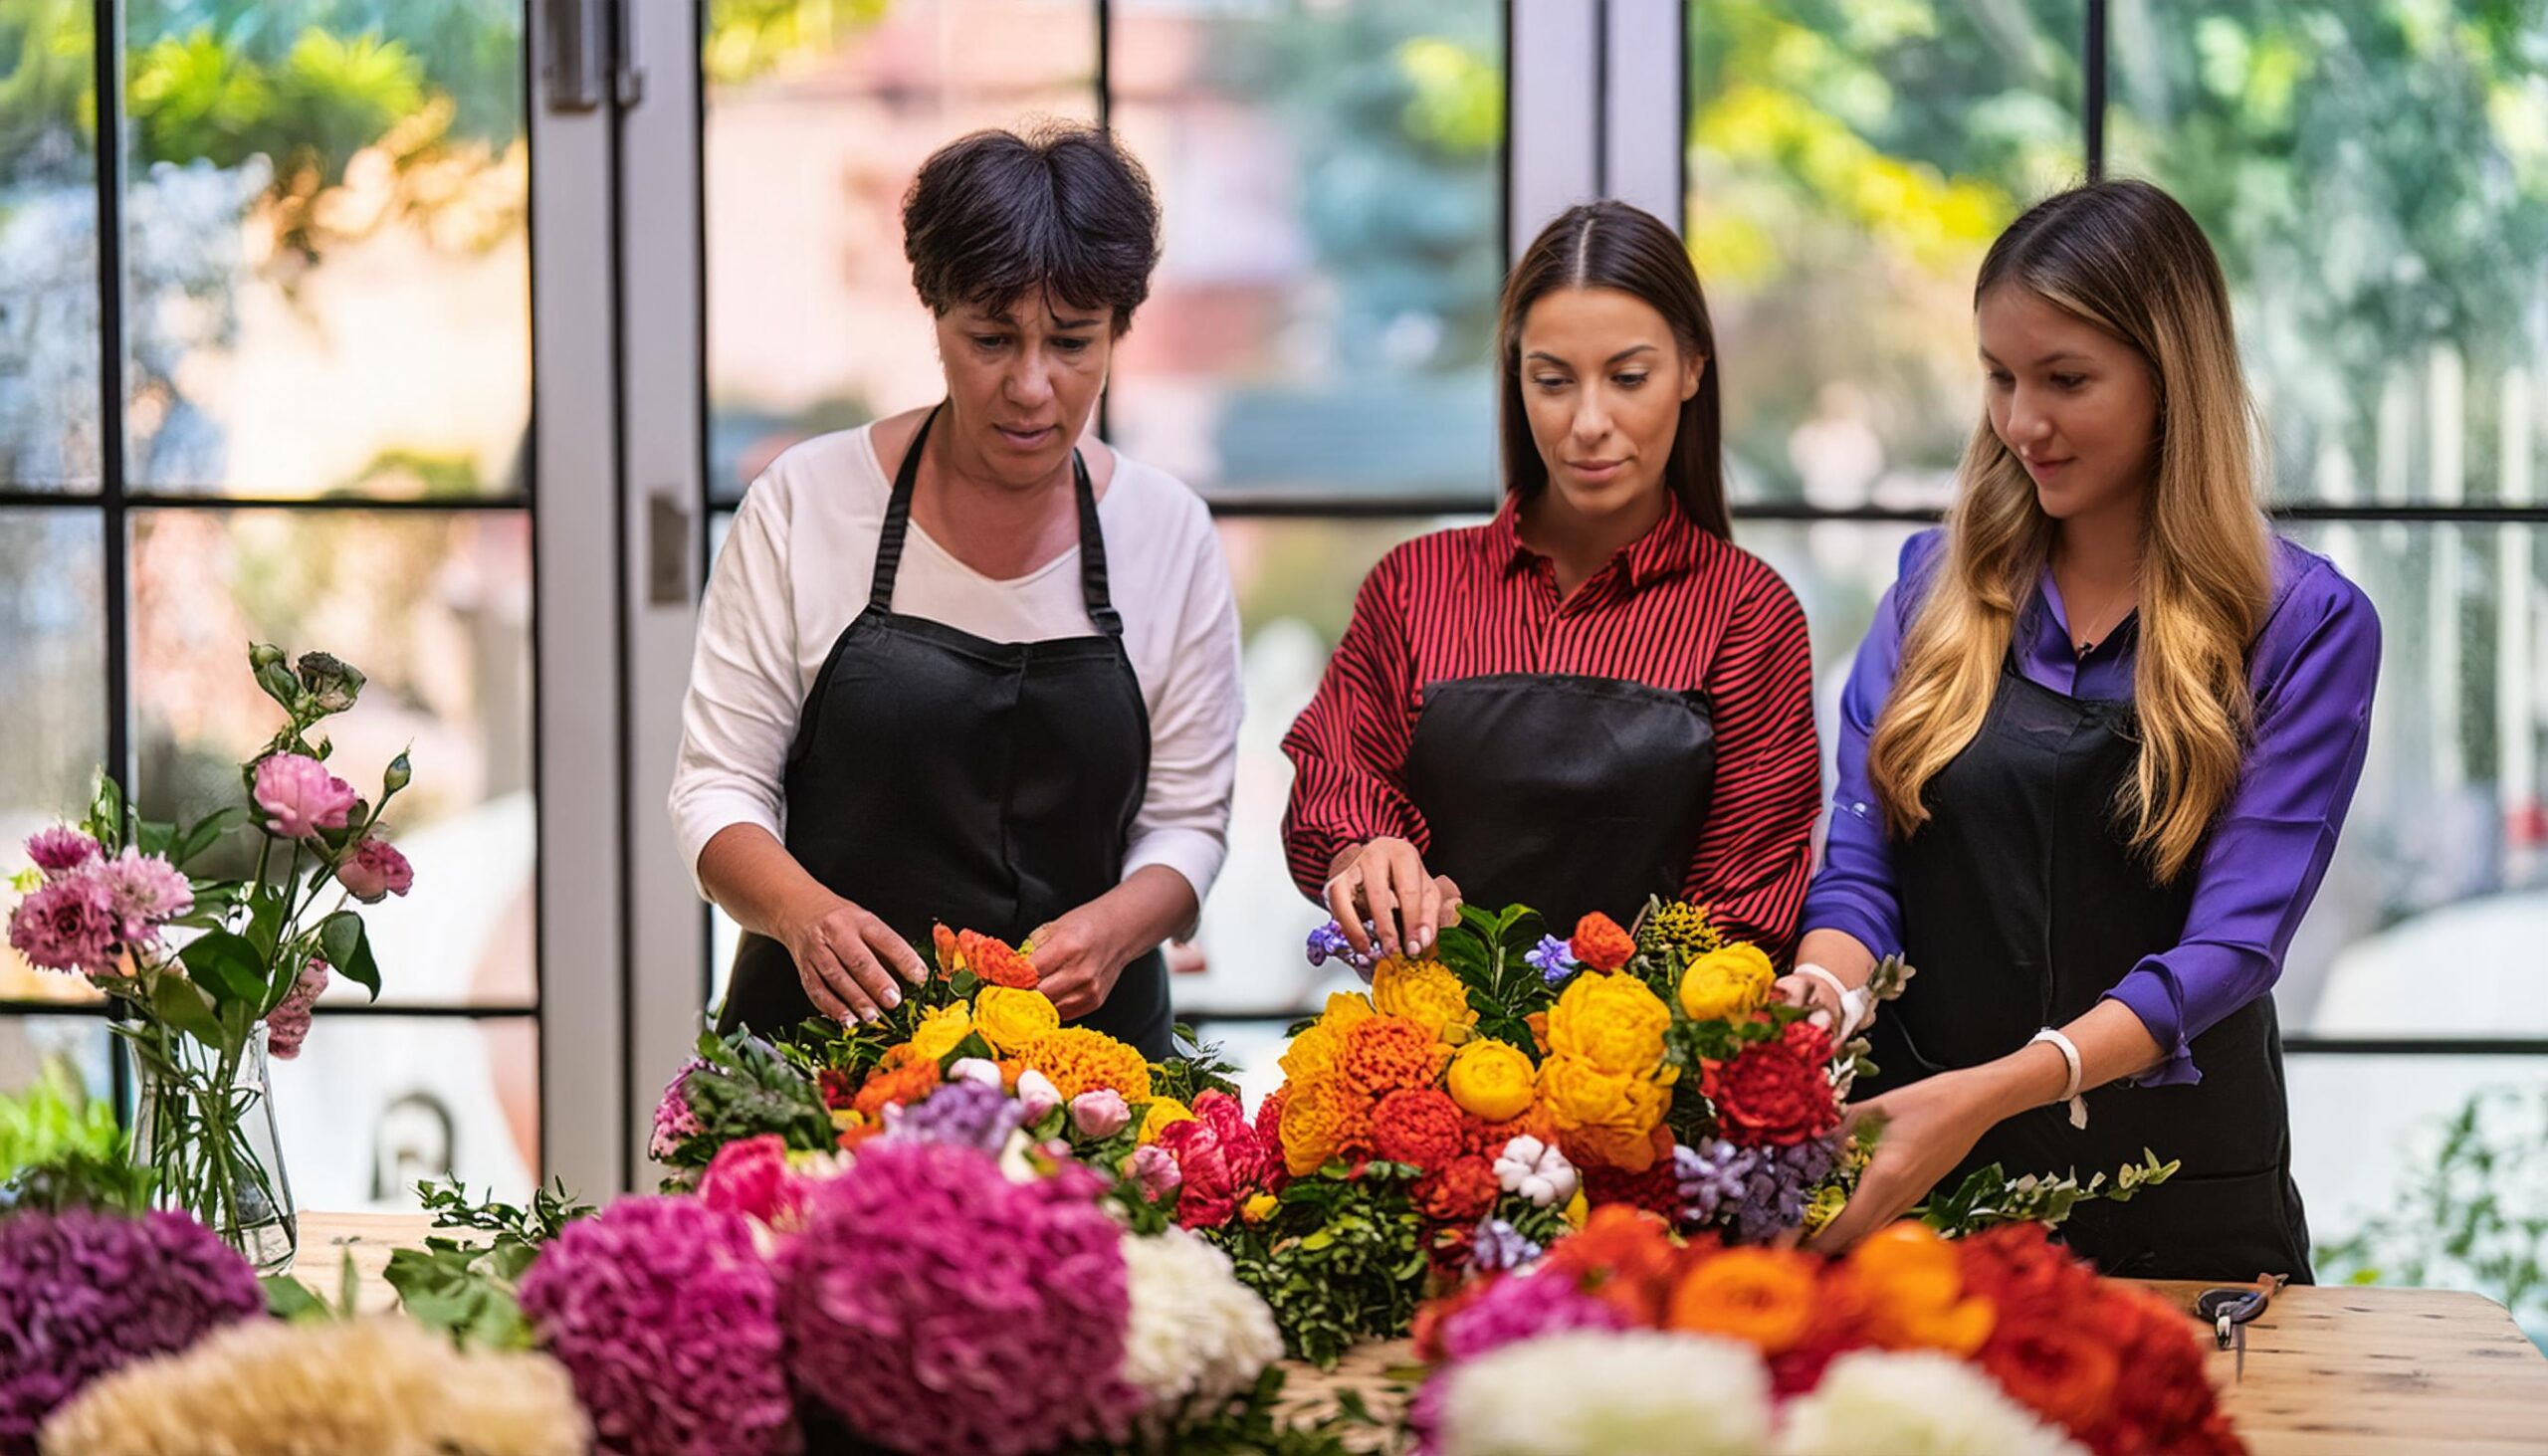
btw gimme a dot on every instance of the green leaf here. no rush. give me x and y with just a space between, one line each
265 917
150 836
342 941
290 1300
229 966
106 815
182 1004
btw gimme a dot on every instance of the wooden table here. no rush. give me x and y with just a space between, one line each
2331 1370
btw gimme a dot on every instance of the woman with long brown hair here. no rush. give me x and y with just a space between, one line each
2094 756
1595 697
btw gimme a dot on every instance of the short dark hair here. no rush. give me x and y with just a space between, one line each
1062 209
1612 245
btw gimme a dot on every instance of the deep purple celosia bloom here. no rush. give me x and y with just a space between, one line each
1521 1307
938 1307
667 1318
59 848
674 1120
85 1293
966 1114
68 925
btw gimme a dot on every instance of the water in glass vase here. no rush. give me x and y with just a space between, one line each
205 1127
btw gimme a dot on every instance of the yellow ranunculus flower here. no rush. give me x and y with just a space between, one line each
941 1029
1259 1207
1613 1021
1492 1081
1606 1117
1162 1111
1423 992
1346 1010
1011 1020
1312 1055
1727 984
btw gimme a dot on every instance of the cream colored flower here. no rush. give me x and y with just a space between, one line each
1914 1403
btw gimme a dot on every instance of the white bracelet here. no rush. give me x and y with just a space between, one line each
2071 1087
1853 1000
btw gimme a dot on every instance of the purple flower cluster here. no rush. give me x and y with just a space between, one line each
1328 943
1498 1245
85 1293
964 1113
1759 1192
89 908
668 1320
1555 959
675 1122
1523 1306
938 1307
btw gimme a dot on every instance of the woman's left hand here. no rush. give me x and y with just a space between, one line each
1929 1127
1077 959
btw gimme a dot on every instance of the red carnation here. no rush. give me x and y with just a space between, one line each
1811 1043
1460 1192
1600 943
1764 1095
1421 1125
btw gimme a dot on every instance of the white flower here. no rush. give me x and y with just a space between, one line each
1592 1393
978 1069
1014 1163
1914 1403
1036 1095
1196 1336
1537 1171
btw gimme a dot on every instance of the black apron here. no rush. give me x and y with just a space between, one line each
2023 904
990 786
1562 792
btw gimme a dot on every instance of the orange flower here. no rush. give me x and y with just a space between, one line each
1322 1120
995 961
1538 1021
1385 1053
1600 943
1601 1117
1763 1297
1080 1060
951 951
1622 1256
2063 1372
1915 1293
903 1075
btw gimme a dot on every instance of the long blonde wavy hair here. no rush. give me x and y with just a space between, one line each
2124 257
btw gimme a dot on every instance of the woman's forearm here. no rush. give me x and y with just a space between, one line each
1152 904
753 878
2112 1043
1838 952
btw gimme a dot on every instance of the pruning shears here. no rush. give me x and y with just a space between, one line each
2229 1311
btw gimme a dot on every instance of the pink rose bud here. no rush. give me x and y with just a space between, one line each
1100 1114
299 797
1154 1172
979 1070
1036 1095
376 869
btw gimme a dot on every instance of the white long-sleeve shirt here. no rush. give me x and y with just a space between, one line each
798 567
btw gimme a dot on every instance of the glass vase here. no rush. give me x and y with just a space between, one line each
205 1127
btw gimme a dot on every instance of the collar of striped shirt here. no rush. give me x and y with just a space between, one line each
1672 548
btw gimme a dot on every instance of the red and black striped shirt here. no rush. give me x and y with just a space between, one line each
1676 609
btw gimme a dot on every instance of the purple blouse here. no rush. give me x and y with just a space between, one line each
2311 669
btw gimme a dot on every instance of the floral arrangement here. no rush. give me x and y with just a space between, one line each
209 974
1911 1343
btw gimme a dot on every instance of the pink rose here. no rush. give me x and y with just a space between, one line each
299 797
1100 1114
1154 1172
288 1021
376 869
59 848
752 1178
69 925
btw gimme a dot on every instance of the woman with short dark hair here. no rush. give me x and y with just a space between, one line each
1597 696
967 664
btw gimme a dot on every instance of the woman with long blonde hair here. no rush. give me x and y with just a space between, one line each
2094 754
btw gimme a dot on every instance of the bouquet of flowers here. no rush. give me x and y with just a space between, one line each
210 975
1911 1343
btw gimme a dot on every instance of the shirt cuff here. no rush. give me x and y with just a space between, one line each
701 814
1832 912
2150 989
1195 854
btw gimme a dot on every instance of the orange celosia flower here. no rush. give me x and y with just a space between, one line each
995 961
1763 1297
1600 942
1080 1060
1387 1053
900 1077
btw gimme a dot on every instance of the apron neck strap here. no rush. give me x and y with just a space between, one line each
897 522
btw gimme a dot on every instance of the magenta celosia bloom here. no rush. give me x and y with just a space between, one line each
61 848
289 1022
940 1307
675 1122
668 1320
85 1293
68 925
1522 1306
299 797
751 1176
146 892
374 870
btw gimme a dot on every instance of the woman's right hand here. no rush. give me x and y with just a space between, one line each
1816 996
1385 882
841 953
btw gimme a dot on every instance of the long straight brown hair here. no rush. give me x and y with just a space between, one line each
1611 245
2124 258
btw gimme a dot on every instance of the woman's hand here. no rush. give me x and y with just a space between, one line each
1385 882
1929 1127
1078 960
841 952
1816 996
